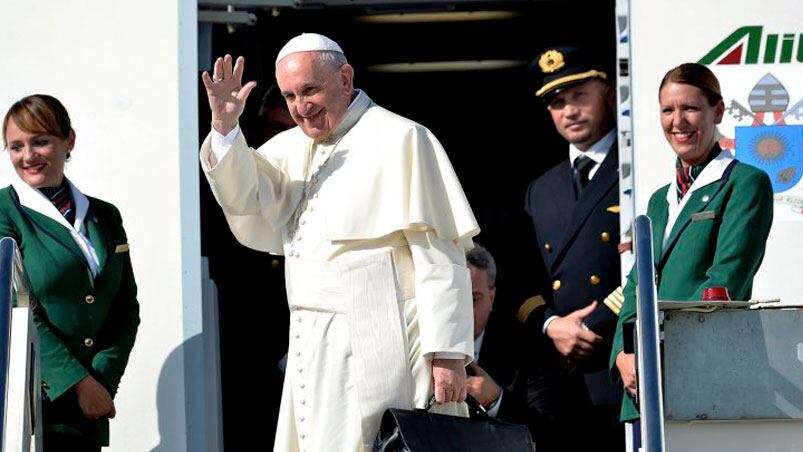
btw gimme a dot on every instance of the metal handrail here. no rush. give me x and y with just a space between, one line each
648 341
12 277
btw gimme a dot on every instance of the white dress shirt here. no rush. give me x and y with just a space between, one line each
597 152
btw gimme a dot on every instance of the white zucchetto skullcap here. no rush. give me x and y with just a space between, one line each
308 42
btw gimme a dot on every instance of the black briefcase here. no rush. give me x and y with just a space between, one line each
421 431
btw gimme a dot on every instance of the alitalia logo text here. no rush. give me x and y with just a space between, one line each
744 46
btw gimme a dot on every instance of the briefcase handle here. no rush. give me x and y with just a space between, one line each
474 407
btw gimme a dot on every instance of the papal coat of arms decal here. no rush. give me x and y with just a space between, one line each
769 143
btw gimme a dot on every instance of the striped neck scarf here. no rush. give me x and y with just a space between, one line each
686 176
61 197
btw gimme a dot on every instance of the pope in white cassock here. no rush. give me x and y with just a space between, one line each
367 209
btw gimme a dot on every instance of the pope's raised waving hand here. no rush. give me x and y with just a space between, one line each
226 92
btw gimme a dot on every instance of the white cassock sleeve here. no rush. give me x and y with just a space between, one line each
246 182
443 296
253 188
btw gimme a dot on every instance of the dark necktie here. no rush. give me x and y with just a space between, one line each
61 198
581 168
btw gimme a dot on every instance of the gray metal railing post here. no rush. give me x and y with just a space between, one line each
648 352
6 275
11 278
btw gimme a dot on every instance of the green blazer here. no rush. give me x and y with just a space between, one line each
86 324
718 239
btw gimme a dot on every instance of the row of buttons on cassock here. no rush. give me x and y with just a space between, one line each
310 188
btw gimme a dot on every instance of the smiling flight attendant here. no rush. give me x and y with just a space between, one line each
75 254
710 224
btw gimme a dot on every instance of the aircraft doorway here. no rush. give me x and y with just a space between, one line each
497 134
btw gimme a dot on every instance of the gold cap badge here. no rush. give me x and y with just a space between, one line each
551 61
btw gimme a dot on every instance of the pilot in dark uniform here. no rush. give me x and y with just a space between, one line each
575 211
